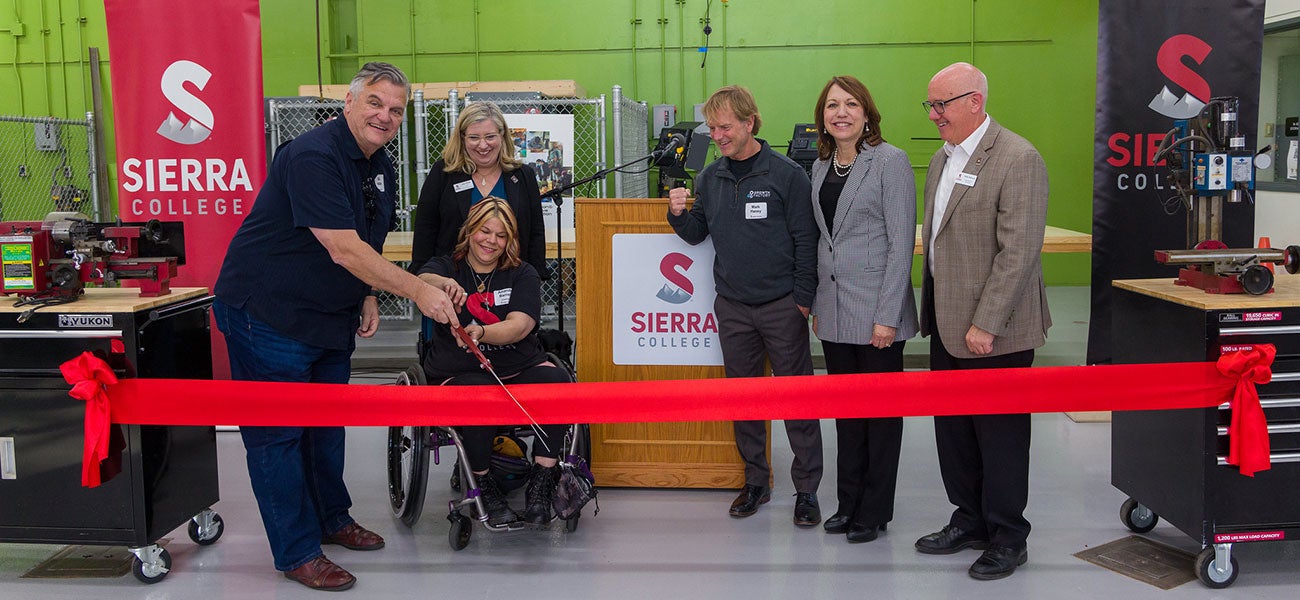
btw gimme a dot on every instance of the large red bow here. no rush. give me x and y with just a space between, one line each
89 376
1248 446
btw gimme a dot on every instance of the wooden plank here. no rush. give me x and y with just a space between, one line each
1286 293
550 88
115 300
334 91
398 247
667 475
1055 239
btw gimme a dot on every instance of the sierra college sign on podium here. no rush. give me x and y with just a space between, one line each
663 301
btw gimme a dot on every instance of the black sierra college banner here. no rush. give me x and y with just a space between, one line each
1159 61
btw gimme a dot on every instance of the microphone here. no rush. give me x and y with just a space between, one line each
676 141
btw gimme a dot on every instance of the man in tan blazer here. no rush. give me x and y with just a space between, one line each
985 306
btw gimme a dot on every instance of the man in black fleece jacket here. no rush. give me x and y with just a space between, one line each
757 206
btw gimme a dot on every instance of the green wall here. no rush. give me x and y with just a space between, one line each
1040 58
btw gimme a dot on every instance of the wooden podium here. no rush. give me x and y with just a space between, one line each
676 455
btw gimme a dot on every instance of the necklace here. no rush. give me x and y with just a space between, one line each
840 170
482 282
483 180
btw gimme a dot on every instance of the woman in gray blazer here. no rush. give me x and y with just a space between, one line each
864 202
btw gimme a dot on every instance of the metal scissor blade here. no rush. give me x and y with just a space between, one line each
487 366
537 431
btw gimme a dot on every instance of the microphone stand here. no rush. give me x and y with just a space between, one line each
556 196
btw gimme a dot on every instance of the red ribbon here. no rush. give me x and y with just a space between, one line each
1248 446
911 394
90 377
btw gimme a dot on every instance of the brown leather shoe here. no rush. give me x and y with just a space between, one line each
354 537
321 574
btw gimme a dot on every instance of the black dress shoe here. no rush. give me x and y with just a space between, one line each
748 501
949 540
807 513
837 523
997 562
859 534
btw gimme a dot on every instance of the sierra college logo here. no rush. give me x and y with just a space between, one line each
199 126
683 289
1169 59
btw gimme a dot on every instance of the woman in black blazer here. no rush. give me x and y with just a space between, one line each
478 162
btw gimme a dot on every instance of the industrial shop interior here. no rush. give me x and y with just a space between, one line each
174 182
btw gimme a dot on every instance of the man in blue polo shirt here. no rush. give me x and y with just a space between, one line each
298 282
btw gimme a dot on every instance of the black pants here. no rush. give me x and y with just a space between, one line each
478 438
776 333
868 449
984 459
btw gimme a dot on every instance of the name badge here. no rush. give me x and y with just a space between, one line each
462 186
756 210
966 179
501 297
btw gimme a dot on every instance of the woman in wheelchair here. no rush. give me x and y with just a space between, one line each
500 301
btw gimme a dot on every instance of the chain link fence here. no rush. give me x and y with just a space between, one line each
436 120
46 165
631 139
422 138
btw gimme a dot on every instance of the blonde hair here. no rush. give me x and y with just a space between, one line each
736 98
479 214
454 153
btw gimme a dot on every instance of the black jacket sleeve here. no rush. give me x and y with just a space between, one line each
427 220
532 234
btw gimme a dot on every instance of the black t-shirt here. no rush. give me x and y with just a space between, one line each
741 168
505 291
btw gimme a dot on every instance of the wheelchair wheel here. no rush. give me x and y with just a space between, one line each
461 528
408 461
583 431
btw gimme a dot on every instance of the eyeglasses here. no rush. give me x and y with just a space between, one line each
939 105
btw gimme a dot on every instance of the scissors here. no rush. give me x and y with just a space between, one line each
486 365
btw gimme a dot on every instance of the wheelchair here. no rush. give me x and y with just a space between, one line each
408 451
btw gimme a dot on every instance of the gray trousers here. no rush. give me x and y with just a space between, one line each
776 331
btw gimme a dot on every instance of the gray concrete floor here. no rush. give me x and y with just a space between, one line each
682 544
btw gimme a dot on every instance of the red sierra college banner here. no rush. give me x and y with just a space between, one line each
187 110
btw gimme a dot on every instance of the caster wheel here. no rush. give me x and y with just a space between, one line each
154 571
1212 575
461 528
211 534
571 523
1138 518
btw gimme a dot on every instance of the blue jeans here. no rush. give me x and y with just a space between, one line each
296 472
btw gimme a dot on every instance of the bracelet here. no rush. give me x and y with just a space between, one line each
374 293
